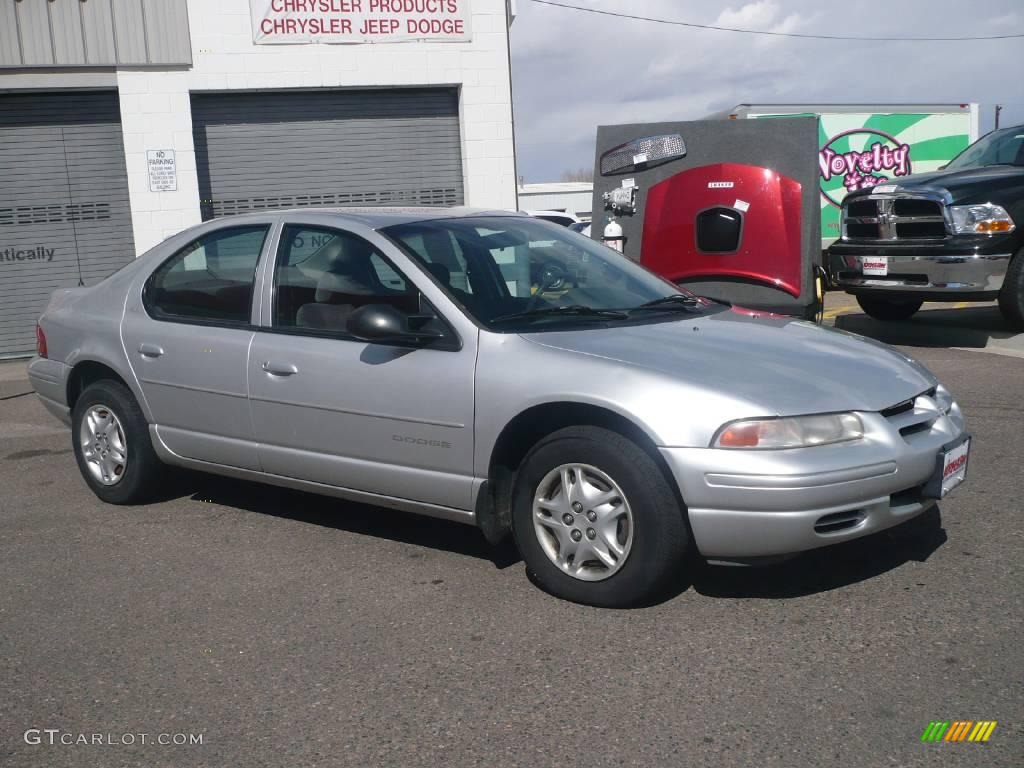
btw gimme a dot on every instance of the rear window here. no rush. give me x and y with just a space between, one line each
210 280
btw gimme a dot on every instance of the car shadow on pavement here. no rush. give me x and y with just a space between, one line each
328 512
816 571
822 570
969 327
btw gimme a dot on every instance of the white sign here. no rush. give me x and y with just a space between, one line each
874 265
954 467
359 21
163 171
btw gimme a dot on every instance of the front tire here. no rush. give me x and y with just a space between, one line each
889 310
112 446
1011 296
596 520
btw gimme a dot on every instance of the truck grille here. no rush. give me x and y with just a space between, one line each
893 218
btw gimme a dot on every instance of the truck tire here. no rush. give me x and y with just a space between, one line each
890 310
596 520
1011 297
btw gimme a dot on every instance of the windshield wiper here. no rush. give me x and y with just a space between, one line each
675 301
575 310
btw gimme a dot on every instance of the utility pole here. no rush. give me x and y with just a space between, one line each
999 108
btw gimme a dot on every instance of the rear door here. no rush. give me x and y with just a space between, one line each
391 420
187 330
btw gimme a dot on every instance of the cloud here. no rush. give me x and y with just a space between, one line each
758 15
573 71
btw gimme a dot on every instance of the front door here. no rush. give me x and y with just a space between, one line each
187 333
395 421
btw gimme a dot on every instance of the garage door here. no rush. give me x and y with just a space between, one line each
335 148
64 213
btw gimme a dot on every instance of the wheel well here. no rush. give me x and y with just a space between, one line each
494 514
86 373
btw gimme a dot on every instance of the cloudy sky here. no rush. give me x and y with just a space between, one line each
573 71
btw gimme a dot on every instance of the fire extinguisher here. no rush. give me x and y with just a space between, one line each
613 237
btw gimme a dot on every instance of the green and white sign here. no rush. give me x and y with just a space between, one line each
858 150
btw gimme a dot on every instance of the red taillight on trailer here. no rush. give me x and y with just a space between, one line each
40 341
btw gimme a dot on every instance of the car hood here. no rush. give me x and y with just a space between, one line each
964 184
783 366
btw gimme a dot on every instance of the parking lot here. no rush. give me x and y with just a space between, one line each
289 629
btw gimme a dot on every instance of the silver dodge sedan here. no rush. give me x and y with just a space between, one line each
497 370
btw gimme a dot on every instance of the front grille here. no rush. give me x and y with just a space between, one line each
899 408
916 206
921 230
908 419
893 218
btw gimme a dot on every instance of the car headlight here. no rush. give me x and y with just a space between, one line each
983 219
792 432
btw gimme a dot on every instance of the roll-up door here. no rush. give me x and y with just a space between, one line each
65 219
282 149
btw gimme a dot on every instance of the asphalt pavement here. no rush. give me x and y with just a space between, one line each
284 629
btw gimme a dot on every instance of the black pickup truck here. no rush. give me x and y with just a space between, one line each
953 235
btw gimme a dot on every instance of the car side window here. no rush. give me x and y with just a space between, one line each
210 279
323 275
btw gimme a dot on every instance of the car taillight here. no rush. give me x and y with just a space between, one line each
40 341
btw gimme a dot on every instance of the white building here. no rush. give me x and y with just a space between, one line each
125 121
568 196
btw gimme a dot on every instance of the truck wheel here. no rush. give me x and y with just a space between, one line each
889 309
112 446
595 519
1011 297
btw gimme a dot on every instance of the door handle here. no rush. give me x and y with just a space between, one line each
150 350
275 368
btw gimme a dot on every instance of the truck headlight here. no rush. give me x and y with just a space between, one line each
983 219
792 432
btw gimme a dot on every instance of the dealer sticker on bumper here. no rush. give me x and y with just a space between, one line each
874 265
950 469
954 466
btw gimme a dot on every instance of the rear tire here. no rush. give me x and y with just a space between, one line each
110 437
1011 297
889 310
631 546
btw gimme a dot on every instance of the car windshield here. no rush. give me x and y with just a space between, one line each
513 273
1005 147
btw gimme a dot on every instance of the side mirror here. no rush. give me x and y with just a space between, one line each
383 323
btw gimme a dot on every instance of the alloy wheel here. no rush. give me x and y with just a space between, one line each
583 521
104 447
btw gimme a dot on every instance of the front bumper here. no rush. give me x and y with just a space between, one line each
962 266
49 378
746 504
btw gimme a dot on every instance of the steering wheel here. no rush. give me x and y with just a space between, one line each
552 275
